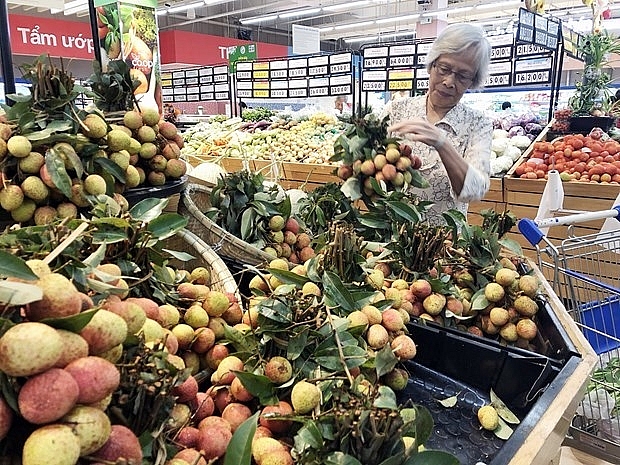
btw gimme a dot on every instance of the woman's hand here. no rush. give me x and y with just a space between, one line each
420 130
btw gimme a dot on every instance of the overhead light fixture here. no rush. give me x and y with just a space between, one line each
501 5
352 25
187 6
460 9
292 14
395 19
326 29
361 39
393 35
344 6
258 19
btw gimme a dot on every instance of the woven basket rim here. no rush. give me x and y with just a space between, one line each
219 235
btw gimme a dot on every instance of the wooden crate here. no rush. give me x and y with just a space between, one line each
309 175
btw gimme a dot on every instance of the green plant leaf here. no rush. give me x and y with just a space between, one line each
418 423
502 410
16 293
417 180
15 267
340 458
352 188
503 431
248 223
166 225
148 209
354 356
275 310
259 386
73 323
432 457
511 245
95 258
386 399
56 168
297 344
479 301
404 210
448 402
288 277
110 167
8 393
336 292
385 361
308 437
239 450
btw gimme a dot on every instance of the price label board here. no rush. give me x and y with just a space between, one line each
196 84
572 41
533 71
312 76
539 30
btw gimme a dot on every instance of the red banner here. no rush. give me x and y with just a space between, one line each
35 36
191 48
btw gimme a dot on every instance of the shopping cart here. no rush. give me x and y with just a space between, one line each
584 272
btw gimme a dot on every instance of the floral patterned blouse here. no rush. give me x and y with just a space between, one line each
470 132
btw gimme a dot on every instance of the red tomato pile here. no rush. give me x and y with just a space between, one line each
576 157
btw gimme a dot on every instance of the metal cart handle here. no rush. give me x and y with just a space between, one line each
531 228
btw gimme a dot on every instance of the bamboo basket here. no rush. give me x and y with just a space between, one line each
195 199
221 278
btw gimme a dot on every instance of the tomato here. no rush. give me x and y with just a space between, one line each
519 170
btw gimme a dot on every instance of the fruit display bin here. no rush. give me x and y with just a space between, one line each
542 388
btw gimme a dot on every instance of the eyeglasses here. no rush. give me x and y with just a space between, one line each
445 71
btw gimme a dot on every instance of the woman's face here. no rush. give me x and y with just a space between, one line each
450 76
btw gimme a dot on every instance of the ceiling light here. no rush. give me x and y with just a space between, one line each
397 34
326 29
343 6
291 14
502 5
460 9
258 19
187 6
75 3
361 39
397 18
349 26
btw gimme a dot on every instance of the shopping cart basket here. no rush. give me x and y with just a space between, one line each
584 271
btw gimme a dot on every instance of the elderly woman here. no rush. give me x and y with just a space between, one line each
453 140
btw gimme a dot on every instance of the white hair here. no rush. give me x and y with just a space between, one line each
456 38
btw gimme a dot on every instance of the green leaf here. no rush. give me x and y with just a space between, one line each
16 293
511 245
112 168
340 458
432 457
418 423
503 431
479 301
95 258
448 402
337 293
239 450
56 168
70 156
12 266
259 386
248 223
352 188
166 225
275 310
404 210
297 344
502 410
148 209
385 361
181 256
308 437
354 356
73 323
288 277
386 399
417 180
8 393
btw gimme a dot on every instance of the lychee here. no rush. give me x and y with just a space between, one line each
11 197
19 146
96 127
305 397
118 140
34 188
278 370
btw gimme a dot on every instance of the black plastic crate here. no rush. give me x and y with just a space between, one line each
453 363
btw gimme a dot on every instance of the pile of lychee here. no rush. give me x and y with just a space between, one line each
392 167
41 180
288 240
